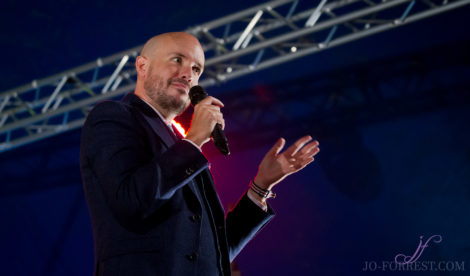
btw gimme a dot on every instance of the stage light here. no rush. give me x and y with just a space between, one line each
179 127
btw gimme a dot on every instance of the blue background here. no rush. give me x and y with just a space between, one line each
380 182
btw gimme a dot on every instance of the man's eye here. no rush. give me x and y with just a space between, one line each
196 69
177 59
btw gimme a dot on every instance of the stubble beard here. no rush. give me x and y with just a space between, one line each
157 90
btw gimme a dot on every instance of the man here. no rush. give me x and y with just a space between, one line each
151 197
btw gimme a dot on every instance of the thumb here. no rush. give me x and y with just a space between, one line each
277 147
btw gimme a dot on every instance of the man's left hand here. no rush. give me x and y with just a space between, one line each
276 166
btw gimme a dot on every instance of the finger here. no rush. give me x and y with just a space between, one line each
277 147
294 148
211 101
304 163
301 163
315 151
308 148
218 113
221 121
210 112
209 107
310 154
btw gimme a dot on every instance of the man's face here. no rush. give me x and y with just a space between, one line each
175 67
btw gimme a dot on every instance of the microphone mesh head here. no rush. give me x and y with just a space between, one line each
197 94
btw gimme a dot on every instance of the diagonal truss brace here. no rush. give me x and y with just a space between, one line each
276 32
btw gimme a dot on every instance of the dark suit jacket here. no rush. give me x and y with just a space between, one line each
146 218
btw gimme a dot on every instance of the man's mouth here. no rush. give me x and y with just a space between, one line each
181 86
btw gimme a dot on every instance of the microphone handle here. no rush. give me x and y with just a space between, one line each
197 94
220 140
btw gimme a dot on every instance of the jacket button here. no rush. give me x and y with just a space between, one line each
196 218
189 171
192 257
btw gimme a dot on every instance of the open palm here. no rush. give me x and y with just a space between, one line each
276 166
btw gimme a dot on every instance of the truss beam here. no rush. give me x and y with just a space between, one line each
236 45
351 97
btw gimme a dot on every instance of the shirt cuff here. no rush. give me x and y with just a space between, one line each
184 139
257 201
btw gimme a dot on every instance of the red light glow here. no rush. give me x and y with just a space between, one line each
179 127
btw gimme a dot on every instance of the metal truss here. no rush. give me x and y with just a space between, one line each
349 98
236 45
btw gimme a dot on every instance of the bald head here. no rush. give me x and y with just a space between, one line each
168 66
163 41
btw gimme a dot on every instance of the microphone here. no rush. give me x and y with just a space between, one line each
197 94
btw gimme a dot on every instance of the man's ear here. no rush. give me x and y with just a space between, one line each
141 65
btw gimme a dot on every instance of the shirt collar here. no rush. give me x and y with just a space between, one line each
158 112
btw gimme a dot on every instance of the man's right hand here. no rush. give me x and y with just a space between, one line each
206 115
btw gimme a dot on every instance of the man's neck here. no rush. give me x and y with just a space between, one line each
167 118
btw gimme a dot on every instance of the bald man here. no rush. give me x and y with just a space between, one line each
151 197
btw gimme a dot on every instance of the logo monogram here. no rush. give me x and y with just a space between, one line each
404 259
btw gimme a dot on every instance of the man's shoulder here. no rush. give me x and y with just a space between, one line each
112 107
110 110
128 104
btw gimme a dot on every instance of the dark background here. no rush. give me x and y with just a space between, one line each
391 112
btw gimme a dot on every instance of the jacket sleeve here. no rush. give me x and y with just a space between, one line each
243 222
134 182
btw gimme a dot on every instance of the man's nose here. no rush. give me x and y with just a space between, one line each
186 73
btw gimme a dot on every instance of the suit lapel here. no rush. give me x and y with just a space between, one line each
161 130
158 126
167 137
